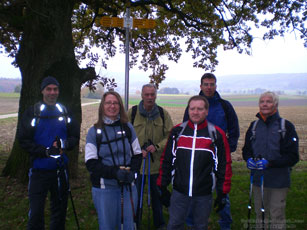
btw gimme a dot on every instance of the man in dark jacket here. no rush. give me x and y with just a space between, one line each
46 132
270 150
196 152
222 114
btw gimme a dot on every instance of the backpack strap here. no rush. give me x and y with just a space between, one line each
183 126
282 128
39 107
162 117
133 113
161 112
254 130
98 139
128 135
212 132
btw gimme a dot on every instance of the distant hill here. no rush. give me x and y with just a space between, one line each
231 84
7 85
285 83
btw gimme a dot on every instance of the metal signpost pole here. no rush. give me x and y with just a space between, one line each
127 49
127 23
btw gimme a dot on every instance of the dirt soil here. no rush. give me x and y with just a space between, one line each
295 114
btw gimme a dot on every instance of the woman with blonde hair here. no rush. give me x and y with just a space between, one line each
113 157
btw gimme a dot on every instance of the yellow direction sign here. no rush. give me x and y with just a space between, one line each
112 21
119 22
144 23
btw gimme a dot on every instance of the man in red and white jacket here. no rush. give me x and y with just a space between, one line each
197 155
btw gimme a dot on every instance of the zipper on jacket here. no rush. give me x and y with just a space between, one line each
192 161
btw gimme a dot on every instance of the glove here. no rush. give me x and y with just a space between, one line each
124 176
121 175
262 164
251 164
220 202
52 151
129 177
165 197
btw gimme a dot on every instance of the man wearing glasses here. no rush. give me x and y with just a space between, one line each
222 114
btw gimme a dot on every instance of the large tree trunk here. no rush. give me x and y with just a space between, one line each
46 49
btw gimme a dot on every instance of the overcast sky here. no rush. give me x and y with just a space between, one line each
281 55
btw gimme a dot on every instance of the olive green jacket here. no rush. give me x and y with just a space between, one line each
152 129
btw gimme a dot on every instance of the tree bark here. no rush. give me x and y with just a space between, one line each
46 49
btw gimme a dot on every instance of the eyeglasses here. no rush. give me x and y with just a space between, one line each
109 103
209 84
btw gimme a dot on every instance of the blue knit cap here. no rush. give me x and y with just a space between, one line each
48 81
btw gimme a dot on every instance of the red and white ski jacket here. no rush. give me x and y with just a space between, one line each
196 162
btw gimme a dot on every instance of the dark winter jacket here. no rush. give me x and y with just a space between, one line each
35 134
281 152
222 114
196 161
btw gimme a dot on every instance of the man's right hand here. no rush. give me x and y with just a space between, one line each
165 196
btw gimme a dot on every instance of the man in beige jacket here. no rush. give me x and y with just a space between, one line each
152 125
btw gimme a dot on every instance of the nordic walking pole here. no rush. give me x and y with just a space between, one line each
59 144
250 199
73 207
148 200
122 206
72 201
141 196
262 204
132 206
122 202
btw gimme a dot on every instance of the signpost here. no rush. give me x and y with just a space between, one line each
127 23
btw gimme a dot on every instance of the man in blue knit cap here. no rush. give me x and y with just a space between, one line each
46 131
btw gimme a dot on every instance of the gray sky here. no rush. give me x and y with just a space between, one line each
281 55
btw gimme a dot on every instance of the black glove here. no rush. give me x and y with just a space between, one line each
129 177
220 202
124 176
165 196
121 175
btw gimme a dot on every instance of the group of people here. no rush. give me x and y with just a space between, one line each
122 149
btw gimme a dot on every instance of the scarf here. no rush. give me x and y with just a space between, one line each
151 115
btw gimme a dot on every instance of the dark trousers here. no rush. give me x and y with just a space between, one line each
40 182
178 211
155 200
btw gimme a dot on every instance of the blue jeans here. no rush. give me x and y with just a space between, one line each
155 199
200 206
109 210
225 216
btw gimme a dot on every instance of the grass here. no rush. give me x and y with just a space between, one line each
9 95
14 201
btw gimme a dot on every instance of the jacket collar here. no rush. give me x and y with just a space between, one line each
199 126
269 119
215 97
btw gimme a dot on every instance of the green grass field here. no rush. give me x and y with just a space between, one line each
14 201
9 95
